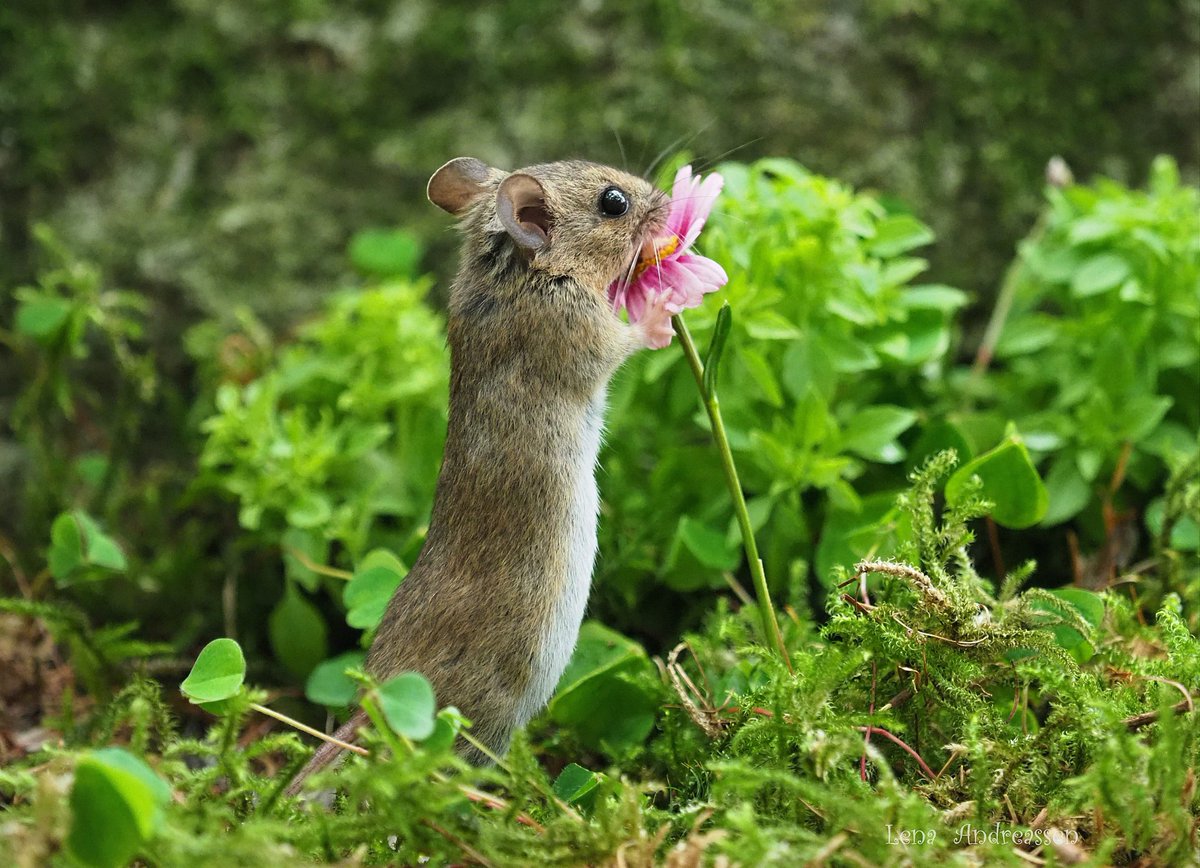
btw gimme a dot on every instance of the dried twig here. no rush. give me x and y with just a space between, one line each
1146 718
707 718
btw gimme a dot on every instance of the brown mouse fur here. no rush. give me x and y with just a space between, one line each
490 611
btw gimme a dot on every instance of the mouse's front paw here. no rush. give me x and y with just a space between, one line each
655 324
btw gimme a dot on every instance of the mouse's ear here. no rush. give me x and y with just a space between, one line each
457 184
521 207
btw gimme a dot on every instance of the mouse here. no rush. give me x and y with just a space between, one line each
490 611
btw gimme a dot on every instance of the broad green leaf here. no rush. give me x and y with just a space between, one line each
900 271
598 697
709 546
808 368
328 684
576 785
446 727
898 234
100 549
117 805
41 316
299 637
367 594
1089 229
934 296
1099 274
767 325
217 674
408 705
760 371
1140 415
1010 482
385 252
1028 334
872 432
1087 603
382 558
77 542
66 547
1067 491
310 510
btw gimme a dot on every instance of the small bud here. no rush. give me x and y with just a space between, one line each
1058 173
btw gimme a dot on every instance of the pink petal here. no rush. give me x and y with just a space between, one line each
691 201
707 271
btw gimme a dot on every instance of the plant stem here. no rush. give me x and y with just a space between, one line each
713 407
283 718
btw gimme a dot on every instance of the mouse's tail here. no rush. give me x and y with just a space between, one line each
327 752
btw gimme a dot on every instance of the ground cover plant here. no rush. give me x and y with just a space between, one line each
973 638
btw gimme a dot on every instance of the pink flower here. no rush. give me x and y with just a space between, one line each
665 265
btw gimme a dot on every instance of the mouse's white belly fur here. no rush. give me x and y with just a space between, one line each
563 629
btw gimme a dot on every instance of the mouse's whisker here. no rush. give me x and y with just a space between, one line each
703 165
685 139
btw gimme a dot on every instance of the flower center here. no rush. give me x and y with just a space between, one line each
660 252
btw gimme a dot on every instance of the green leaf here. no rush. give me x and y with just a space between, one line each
1099 274
117 805
760 371
382 558
1067 491
1088 604
217 674
1010 482
1140 415
599 698
100 549
899 233
328 684
1185 534
872 432
366 595
576 785
446 727
934 296
310 510
41 316
66 547
386 252
408 705
707 545
716 348
767 325
76 543
299 637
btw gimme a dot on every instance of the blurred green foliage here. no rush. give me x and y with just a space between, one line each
207 153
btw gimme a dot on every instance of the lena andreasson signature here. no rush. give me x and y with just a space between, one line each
968 835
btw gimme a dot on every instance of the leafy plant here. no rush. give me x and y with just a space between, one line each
1098 358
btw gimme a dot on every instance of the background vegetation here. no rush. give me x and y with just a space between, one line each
222 399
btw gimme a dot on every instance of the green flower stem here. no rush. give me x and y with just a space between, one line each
711 404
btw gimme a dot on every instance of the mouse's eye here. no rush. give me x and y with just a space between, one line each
614 202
